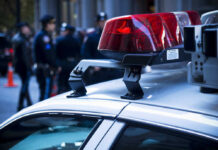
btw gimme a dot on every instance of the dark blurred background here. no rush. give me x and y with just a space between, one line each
81 13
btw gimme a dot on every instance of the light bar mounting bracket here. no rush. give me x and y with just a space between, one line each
131 77
132 63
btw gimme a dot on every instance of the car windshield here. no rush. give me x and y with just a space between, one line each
45 133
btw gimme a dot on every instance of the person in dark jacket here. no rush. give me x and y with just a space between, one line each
89 48
67 54
89 51
23 61
44 56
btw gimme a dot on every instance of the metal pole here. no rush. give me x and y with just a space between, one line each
68 12
18 17
157 6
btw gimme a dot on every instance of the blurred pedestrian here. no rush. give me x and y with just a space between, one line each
67 54
44 55
79 34
23 61
89 48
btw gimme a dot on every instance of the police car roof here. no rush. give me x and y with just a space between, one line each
165 86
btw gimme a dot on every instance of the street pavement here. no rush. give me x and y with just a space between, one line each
9 96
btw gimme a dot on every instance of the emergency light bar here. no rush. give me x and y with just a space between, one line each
137 41
145 33
210 17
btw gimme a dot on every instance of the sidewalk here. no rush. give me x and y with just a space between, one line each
9 96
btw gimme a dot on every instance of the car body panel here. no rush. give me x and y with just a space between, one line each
185 121
166 85
98 135
111 136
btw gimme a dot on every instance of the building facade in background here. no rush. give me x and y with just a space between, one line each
82 13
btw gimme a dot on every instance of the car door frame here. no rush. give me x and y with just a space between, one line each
138 114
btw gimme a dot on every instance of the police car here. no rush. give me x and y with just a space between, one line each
153 107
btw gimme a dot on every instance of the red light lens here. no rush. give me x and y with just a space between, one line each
194 17
171 23
183 20
145 33
127 34
123 29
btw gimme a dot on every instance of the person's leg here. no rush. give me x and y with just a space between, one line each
60 83
66 80
47 87
29 102
22 92
51 85
63 81
48 84
41 81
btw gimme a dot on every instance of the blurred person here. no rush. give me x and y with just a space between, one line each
23 61
89 51
67 54
80 34
89 48
44 56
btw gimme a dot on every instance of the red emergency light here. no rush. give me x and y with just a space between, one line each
138 41
145 33
194 17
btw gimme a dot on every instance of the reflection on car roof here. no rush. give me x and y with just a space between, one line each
165 86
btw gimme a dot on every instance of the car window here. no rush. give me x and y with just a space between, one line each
137 138
46 133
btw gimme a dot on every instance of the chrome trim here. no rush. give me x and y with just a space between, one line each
54 112
206 17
